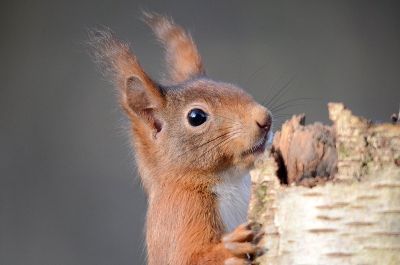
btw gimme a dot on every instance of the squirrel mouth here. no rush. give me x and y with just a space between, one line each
259 147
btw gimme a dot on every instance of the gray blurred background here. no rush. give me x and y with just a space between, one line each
69 193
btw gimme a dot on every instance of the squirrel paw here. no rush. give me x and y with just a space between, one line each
242 244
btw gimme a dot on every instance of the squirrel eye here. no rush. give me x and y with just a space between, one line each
196 117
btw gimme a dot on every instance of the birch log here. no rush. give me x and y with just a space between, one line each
351 215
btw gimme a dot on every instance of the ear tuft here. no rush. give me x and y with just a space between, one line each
114 57
182 57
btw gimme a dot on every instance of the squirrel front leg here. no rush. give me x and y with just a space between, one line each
236 248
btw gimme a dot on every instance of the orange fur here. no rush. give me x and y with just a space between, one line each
183 60
180 164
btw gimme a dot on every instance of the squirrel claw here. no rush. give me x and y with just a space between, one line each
242 244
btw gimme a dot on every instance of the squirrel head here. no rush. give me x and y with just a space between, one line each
188 132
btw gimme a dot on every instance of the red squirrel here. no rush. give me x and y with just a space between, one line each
194 142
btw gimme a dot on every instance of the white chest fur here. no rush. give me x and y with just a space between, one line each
233 198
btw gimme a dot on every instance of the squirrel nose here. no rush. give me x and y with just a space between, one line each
262 117
265 126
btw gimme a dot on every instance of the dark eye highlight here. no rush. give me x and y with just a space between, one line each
196 117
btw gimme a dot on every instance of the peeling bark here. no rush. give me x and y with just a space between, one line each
351 215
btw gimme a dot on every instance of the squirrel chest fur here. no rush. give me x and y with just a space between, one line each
194 140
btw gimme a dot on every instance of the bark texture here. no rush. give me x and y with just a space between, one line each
351 215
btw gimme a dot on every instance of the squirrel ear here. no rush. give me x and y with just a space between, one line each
181 54
140 95
141 99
